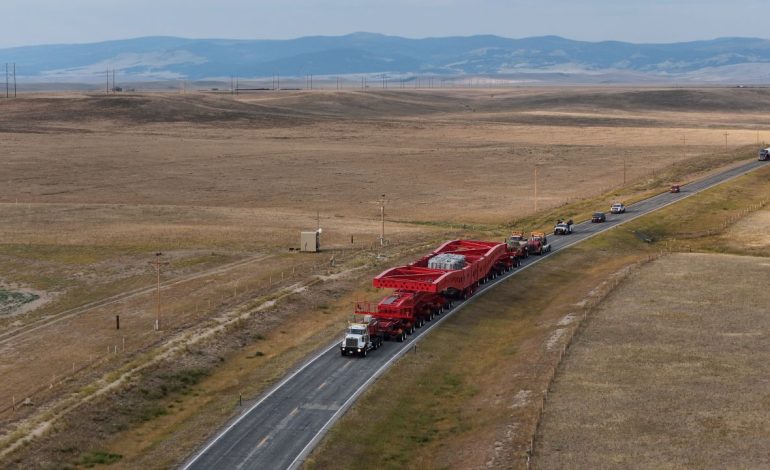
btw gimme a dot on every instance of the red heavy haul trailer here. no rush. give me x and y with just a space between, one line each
426 287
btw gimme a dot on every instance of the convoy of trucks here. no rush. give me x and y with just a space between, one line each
424 289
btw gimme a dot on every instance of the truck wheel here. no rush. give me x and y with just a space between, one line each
363 353
401 338
342 353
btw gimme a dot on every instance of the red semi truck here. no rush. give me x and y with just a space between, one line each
424 289
538 243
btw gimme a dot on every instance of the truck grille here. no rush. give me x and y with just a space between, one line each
351 343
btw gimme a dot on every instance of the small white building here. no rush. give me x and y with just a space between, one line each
310 242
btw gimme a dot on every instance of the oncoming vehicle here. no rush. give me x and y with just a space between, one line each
598 217
764 155
618 208
562 227
675 188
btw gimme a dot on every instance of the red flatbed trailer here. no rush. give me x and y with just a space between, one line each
421 292
481 259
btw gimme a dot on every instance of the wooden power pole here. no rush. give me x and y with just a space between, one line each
157 264
382 219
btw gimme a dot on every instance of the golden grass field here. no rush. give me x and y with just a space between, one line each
671 372
93 185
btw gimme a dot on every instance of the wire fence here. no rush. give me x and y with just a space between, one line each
226 296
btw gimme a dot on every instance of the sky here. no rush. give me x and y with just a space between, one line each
32 22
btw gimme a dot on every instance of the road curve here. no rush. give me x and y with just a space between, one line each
287 422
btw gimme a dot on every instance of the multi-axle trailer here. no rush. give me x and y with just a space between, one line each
424 289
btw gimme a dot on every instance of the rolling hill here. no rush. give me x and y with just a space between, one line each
741 60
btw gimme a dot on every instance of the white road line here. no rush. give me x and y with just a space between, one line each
255 405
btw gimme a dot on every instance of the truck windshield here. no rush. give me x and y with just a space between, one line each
356 331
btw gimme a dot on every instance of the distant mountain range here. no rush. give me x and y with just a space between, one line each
733 60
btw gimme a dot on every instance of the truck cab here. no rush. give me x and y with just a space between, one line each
538 243
361 336
517 243
764 155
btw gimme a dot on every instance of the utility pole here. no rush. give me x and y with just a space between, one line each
536 174
113 80
726 134
14 88
108 80
157 264
684 145
382 218
6 80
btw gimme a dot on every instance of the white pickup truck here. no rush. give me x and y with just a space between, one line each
618 208
562 227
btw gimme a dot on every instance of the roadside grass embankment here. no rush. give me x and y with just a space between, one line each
670 372
471 394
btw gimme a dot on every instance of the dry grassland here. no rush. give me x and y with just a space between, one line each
670 373
93 185
751 233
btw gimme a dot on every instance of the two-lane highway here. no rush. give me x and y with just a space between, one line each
281 429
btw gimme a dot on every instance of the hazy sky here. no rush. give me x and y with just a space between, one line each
26 22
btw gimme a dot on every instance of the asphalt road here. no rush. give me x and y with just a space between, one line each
281 429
